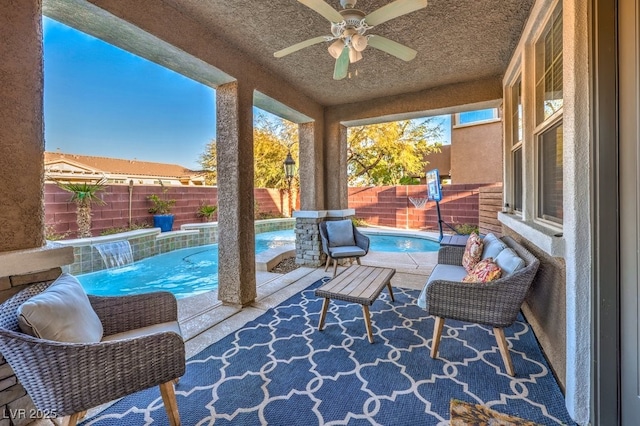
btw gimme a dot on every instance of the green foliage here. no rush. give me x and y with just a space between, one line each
466 228
273 138
209 162
409 180
84 192
161 204
118 230
207 211
387 153
359 222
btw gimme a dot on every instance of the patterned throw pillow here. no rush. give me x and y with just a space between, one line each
472 252
486 270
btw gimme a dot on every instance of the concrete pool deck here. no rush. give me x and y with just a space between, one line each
205 320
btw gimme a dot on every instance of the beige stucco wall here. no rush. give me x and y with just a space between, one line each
21 126
476 153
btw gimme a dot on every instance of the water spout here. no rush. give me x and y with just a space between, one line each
115 254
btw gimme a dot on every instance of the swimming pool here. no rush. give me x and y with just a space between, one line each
191 271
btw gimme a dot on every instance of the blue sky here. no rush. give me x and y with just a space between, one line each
101 100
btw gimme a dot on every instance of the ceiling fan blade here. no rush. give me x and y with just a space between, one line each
298 46
392 48
393 10
342 65
323 9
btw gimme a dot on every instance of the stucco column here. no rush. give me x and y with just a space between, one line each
310 168
236 239
577 195
335 171
21 128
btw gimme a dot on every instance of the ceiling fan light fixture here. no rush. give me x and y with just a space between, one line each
335 49
359 42
354 55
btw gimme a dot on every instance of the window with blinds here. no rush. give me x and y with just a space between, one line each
549 69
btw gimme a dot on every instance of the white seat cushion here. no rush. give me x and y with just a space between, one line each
441 272
447 272
145 331
62 312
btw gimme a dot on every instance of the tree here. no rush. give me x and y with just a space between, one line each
273 138
209 162
390 153
83 194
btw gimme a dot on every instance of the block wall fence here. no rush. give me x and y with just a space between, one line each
60 213
391 206
381 206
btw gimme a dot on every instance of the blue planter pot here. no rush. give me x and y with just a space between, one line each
163 221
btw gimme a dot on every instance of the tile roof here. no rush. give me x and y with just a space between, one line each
122 166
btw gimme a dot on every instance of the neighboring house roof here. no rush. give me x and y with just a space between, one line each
60 165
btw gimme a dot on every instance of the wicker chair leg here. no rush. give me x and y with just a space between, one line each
326 266
170 403
504 350
437 332
335 267
358 260
72 420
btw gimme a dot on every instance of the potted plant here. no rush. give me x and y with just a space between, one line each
161 211
206 211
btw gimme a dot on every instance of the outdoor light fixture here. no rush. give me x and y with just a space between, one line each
289 170
289 167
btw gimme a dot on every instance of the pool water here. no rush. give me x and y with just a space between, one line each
191 271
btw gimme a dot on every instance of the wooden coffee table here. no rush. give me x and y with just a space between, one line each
358 284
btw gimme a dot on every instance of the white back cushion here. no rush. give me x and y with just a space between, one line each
509 261
340 233
62 313
492 246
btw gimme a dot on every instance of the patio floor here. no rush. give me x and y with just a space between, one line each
204 320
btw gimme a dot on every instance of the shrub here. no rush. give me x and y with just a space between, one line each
359 221
466 228
207 211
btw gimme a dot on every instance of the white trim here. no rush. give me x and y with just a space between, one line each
546 239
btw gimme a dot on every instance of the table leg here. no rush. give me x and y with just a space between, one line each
390 291
323 314
367 322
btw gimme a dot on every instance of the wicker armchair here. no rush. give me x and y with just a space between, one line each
496 303
69 378
334 252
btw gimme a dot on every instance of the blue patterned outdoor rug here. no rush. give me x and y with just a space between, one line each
280 370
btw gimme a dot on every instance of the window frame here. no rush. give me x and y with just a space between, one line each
542 124
456 118
557 225
516 143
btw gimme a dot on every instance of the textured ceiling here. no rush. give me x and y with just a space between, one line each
456 40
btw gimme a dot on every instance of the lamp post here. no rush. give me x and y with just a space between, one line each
289 170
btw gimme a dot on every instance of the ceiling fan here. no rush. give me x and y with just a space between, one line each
348 28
